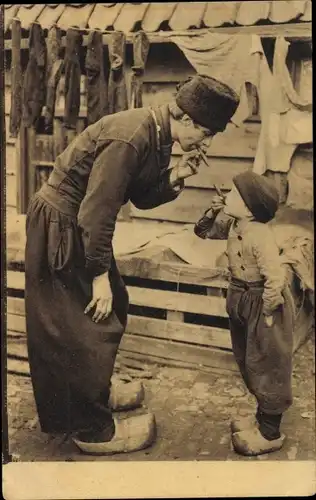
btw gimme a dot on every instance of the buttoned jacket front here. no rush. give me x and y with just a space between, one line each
253 254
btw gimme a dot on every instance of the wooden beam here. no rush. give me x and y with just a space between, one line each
143 267
179 332
171 271
177 301
16 323
292 31
160 360
161 299
145 326
15 306
178 351
18 367
17 348
15 280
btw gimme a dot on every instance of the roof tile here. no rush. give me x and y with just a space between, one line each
50 15
29 13
250 13
285 11
156 14
187 15
9 13
151 16
104 15
75 15
129 16
220 13
307 16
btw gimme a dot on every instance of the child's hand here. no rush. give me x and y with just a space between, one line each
218 203
268 320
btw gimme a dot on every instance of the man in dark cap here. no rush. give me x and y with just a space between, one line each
76 300
259 305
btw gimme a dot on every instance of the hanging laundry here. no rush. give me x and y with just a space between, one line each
286 118
97 89
140 50
34 87
74 41
282 75
117 86
16 79
53 73
300 179
296 127
228 58
220 56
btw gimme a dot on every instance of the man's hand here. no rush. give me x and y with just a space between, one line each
268 320
101 298
187 166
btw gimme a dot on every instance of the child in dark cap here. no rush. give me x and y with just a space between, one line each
259 305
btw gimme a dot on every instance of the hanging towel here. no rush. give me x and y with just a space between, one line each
16 79
97 89
117 86
34 87
53 73
140 51
72 77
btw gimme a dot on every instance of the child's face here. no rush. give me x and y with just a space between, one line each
235 205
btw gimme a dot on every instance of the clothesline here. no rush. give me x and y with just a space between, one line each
237 30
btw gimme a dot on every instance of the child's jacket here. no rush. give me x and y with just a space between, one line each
252 251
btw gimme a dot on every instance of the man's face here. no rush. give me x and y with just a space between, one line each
191 135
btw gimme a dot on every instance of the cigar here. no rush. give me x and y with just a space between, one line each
218 191
204 157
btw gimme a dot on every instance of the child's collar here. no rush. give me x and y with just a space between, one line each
240 224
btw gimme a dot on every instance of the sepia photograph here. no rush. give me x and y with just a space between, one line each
158 250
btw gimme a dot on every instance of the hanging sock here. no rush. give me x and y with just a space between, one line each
16 79
141 49
74 41
34 88
53 74
117 85
97 90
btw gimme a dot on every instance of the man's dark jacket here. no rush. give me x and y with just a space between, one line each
115 160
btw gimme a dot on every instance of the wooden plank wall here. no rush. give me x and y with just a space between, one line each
230 153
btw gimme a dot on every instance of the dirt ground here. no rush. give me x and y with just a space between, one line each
192 409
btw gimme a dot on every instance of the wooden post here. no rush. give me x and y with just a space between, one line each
22 170
31 169
59 137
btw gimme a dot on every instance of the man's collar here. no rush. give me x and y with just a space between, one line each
163 118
